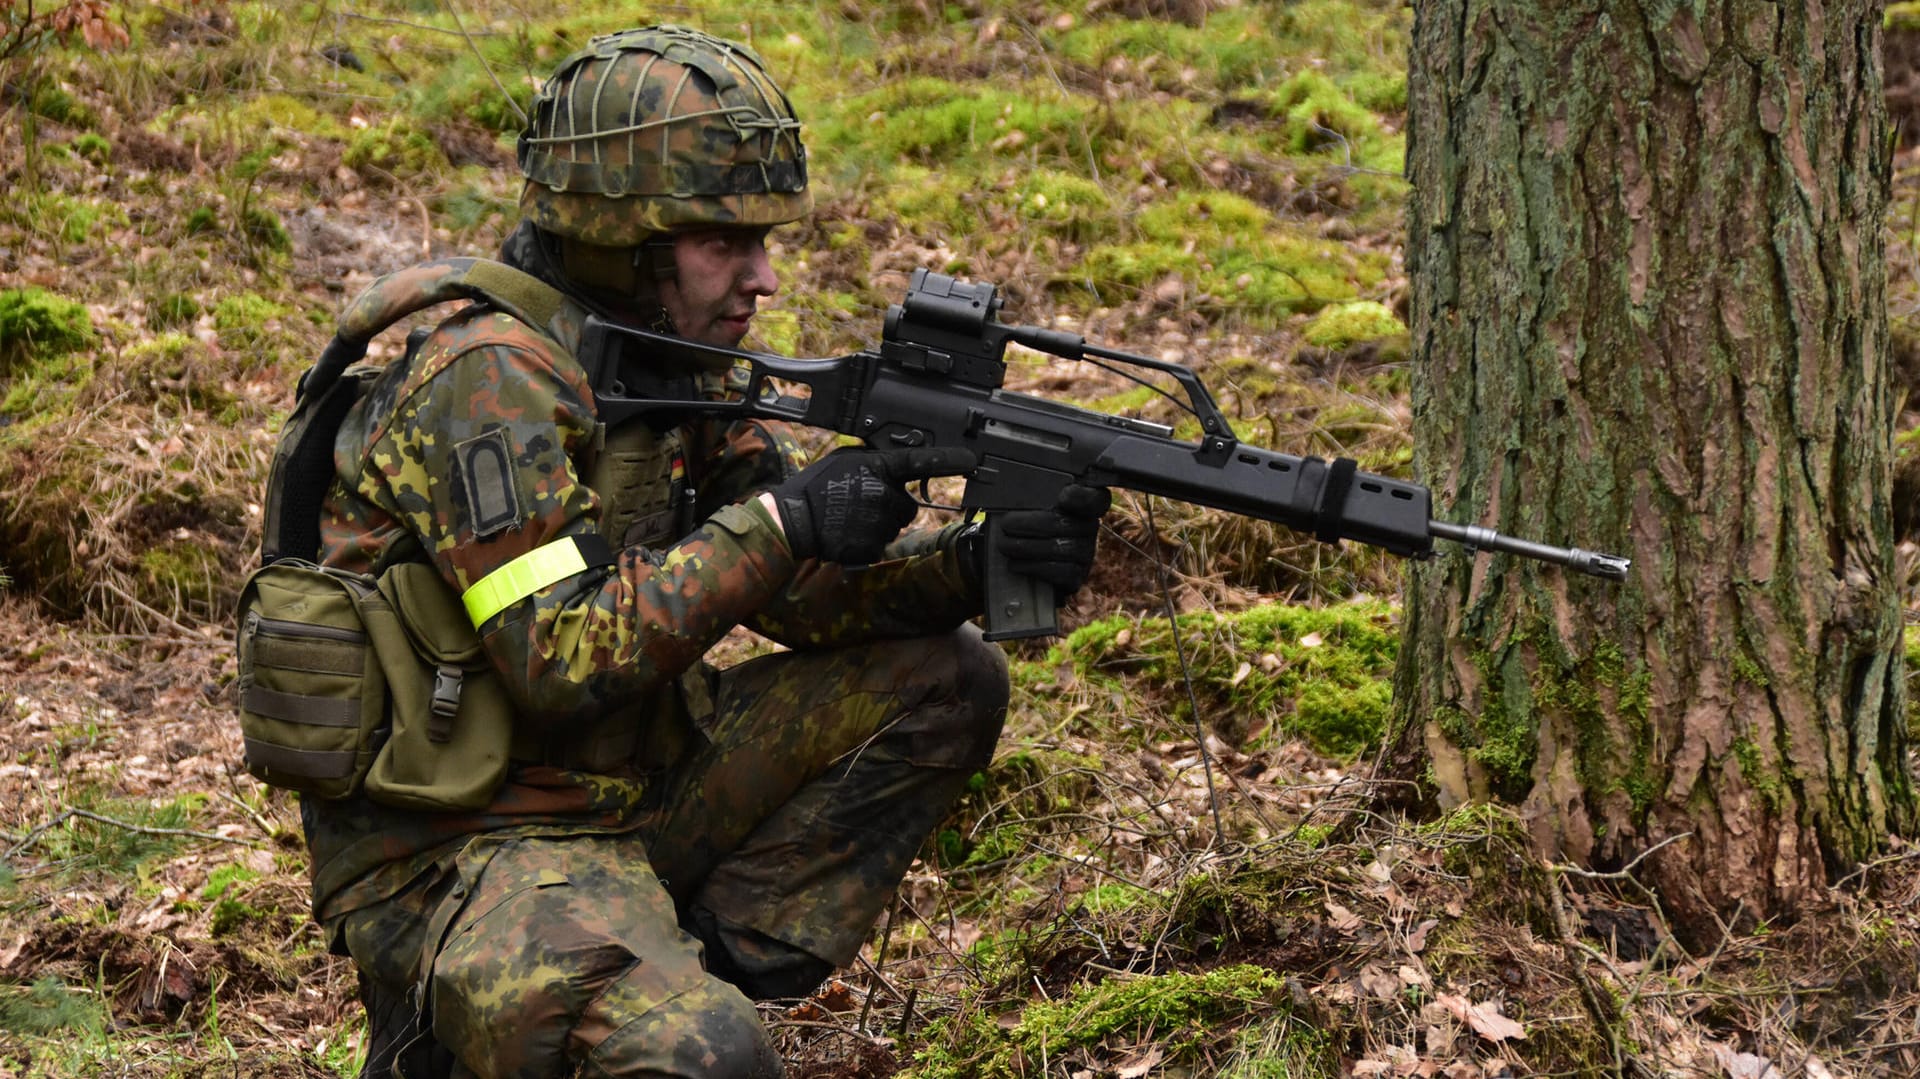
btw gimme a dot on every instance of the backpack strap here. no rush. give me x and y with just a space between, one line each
302 467
399 294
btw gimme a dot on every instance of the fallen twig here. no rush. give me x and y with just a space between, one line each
139 829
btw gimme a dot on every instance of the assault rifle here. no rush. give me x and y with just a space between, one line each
936 380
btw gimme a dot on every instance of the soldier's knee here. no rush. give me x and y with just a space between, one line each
955 713
983 684
709 1031
981 667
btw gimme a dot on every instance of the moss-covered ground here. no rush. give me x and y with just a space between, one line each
1174 866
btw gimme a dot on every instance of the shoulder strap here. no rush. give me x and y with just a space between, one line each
303 462
399 294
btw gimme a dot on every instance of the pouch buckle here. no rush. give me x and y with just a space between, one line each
446 702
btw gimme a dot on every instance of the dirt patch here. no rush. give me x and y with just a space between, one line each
142 859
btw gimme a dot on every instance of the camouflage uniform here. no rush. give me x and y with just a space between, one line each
671 840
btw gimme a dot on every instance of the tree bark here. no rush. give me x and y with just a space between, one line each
1648 315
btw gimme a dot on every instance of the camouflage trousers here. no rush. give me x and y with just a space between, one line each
761 865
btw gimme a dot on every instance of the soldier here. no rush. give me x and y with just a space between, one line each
670 842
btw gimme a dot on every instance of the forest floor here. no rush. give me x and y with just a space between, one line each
1124 895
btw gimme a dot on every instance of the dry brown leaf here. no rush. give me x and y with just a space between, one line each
1342 919
1739 1065
12 951
1417 940
1485 1018
1140 1065
1377 982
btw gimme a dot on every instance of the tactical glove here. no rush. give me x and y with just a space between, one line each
1056 545
847 506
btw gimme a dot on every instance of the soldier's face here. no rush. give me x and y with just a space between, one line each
721 275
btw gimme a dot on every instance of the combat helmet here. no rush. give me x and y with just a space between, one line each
656 129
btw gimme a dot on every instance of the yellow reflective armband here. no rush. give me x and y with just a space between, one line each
533 571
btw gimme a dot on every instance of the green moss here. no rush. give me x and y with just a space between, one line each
1062 203
1322 674
1282 1048
1903 16
1748 670
93 147
163 351
1236 258
35 323
1341 326
396 148
184 573
936 203
39 392
1532 675
1208 219
1236 47
933 120
1317 116
1912 639
268 112
224 878
495 89
202 219
247 319
1179 1011
1765 781
229 911
1344 720
1473 818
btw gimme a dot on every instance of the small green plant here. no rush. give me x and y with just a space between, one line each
93 147
37 323
49 1006
74 220
263 228
202 219
54 103
173 309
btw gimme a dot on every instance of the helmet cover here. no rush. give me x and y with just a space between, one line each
656 129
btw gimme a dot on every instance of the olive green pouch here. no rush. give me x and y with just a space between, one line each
452 720
312 696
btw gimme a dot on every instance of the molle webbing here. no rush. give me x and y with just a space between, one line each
303 462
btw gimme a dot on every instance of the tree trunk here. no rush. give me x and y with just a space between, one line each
1649 317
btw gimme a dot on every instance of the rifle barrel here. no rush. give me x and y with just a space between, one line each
1613 567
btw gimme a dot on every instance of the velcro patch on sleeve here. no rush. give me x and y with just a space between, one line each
486 475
